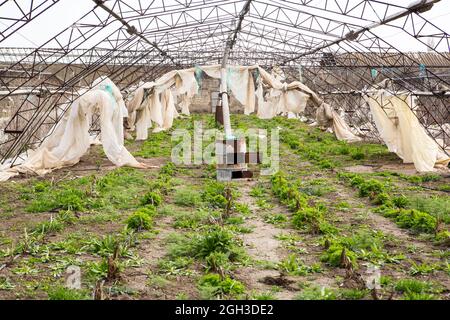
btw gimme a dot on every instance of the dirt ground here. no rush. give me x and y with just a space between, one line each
34 269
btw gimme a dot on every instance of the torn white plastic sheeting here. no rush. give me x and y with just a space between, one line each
295 101
153 104
186 87
104 83
70 138
3 122
282 98
156 109
186 83
284 87
342 130
268 105
240 82
139 112
327 117
169 112
184 104
278 74
402 132
158 106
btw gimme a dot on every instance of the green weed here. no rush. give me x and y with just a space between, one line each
157 281
212 285
276 219
334 256
317 293
443 238
187 198
428 177
422 269
5 284
264 204
242 208
292 265
177 267
357 155
438 207
191 220
218 262
264 296
258 191
352 294
316 187
140 221
168 169
415 289
62 293
214 239
214 194
152 198
107 245
413 219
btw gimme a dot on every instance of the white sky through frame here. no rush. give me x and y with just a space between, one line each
64 13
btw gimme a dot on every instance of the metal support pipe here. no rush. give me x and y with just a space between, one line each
224 97
223 71
365 92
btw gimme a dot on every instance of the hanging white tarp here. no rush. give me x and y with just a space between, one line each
70 138
402 132
151 106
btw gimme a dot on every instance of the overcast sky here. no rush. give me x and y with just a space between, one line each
64 13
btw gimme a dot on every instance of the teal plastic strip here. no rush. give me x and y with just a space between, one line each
109 89
198 75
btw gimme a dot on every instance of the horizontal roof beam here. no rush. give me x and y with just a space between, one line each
419 6
133 31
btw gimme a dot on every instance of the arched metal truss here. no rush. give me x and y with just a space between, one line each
20 14
333 46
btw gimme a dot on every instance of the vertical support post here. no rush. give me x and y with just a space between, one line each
223 71
224 96
230 146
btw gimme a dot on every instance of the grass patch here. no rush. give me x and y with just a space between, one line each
439 207
187 198
141 219
305 216
213 285
152 198
416 290
191 220
364 244
316 293
208 245
413 219
156 145
116 190
62 293
292 265
176 267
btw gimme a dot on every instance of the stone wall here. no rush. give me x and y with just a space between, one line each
209 88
